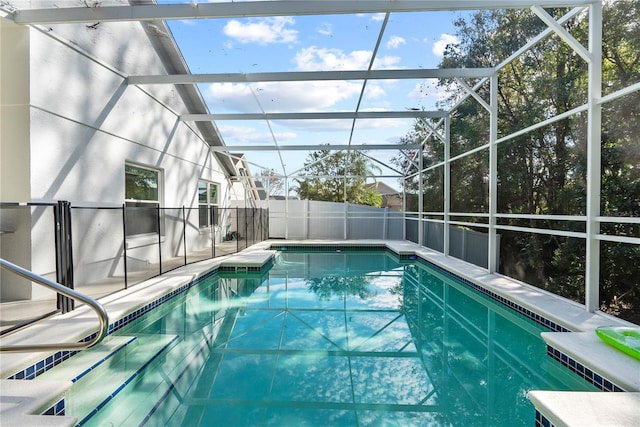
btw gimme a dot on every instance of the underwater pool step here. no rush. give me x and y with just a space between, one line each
84 362
99 385
158 393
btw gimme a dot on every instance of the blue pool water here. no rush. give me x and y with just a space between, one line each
323 339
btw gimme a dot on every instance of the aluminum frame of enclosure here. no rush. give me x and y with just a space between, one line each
593 107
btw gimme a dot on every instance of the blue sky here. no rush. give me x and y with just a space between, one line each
315 43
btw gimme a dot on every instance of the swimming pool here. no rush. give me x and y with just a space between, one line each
324 338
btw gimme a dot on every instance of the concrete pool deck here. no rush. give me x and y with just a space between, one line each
619 368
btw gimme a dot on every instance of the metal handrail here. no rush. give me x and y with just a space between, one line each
100 311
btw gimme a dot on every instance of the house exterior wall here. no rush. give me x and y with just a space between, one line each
79 124
14 154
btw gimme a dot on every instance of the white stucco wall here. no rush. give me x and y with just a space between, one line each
14 154
81 123
84 117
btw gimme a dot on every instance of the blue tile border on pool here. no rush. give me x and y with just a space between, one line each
125 383
99 362
414 257
327 247
593 377
542 421
169 391
584 372
57 409
40 367
502 300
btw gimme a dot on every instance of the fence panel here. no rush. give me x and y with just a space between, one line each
98 250
303 219
433 235
172 239
411 227
27 239
325 220
364 222
143 250
395 225
112 248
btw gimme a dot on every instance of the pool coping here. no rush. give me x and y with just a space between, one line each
557 313
121 307
566 408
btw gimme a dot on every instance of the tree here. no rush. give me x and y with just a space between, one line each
271 181
544 171
337 177
408 162
327 287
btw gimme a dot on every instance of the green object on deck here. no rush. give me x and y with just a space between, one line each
624 338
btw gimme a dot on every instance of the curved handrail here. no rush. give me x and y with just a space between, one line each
100 311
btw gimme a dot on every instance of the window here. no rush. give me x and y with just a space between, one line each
142 199
207 203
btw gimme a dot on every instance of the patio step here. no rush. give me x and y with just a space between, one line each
84 362
22 403
100 373
160 391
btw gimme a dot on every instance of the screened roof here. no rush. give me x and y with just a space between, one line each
283 78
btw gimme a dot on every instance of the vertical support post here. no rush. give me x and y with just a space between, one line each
64 253
346 220
69 253
420 197
404 207
237 230
124 244
492 244
159 239
286 208
184 232
213 234
344 192
385 226
306 211
594 161
447 183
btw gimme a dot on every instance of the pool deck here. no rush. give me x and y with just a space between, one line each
581 344
566 408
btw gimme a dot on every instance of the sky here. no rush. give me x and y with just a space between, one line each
315 43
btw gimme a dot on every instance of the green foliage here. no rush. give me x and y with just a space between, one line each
545 171
140 183
327 287
338 177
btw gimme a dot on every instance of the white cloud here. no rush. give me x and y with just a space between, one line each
230 96
279 96
395 42
374 91
440 46
385 62
250 135
326 29
262 31
315 59
325 59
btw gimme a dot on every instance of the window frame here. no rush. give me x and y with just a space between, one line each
134 230
211 219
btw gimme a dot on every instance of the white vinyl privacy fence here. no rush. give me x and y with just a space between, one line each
306 219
